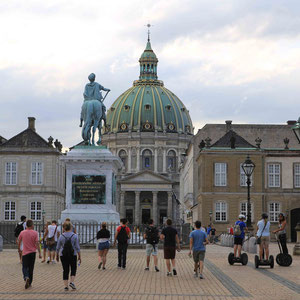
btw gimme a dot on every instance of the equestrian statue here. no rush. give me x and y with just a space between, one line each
92 111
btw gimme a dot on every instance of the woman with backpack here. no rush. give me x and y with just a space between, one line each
68 249
263 236
103 236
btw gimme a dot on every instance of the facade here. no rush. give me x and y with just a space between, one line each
32 177
149 128
221 183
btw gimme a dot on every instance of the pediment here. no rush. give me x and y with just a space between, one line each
146 177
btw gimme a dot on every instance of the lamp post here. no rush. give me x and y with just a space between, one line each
210 216
248 167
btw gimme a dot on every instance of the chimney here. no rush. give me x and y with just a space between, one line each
291 122
31 123
228 125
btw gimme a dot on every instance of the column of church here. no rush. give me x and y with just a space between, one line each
129 160
122 205
155 160
170 205
137 159
155 208
164 160
137 208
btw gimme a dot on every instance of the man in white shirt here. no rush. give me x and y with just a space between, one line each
52 233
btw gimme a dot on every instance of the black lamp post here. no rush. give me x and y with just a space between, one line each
296 129
248 168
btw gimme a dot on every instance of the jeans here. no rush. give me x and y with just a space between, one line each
282 239
28 261
122 253
66 264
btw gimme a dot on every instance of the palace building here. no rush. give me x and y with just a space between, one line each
149 128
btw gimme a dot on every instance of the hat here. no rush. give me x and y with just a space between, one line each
242 216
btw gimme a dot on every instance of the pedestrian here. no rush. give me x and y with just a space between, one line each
19 228
263 236
212 234
152 238
198 240
103 236
30 241
122 236
282 232
208 230
170 237
44 242
239 234
52 235
69 251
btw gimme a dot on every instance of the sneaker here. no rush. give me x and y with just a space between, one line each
195 274
53 262
147 269
174 272
72 285
27 283
48 261
99 266
201 276
156 269
103 268
123 268
119 267
169 274
66 289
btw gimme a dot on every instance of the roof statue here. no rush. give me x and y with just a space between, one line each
92 110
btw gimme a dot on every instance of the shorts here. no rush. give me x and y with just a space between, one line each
103 246
151 249
45 246
52 247
198 255
238 240
265 240
169 252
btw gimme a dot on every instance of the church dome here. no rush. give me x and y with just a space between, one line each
148 105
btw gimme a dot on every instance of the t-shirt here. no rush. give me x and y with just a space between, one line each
170 236
103 235
74 241
213 231
261 225
208 230
242 226
198 237
127 229
29 238
51 230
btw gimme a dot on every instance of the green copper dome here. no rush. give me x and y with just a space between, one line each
148 105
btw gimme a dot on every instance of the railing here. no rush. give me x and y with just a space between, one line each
87 232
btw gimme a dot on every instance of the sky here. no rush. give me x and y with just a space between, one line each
226 60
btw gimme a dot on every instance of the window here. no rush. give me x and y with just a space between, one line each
37 173
243 177
147 157
220 174
172 160
297 175
147 107
221 212
244 210
10 211
36 211
274 175
274 210
11 173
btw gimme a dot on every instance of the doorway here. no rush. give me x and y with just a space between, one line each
295 218
162 216
129 215
146 215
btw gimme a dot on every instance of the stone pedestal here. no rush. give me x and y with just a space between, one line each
91 185
297 246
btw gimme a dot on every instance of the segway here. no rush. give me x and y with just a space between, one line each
283 259
242 260
264 262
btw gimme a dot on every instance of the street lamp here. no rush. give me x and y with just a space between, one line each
210 215
296 129
248 168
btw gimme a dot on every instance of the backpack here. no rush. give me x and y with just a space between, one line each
68 250
237 229
19 228
122 236
152 235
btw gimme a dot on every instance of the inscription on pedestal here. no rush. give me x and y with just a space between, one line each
88 189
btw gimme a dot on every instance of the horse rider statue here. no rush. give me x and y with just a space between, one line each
92 110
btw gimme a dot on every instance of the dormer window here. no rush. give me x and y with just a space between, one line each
126 107
147 107
112 108
168 107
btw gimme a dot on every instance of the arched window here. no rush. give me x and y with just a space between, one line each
171 161
123 156
147 159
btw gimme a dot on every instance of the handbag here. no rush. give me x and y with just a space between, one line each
51 241
258 239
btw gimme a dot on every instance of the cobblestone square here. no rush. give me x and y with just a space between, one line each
222 281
